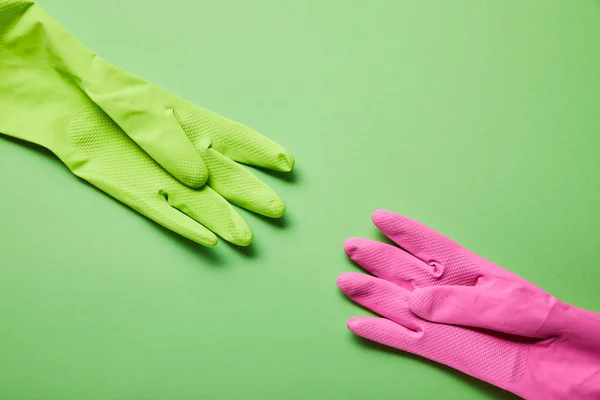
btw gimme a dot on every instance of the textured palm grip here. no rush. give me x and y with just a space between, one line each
438 300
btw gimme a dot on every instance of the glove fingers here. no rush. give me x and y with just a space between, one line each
492 359
236 141
211 210
380 296
431 247
157 207
173 219
392 264
413 236
110 160
239 186
386 332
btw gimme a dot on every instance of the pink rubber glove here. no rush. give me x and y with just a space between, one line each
525 340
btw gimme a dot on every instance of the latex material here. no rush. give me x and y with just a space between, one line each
116 131
512 334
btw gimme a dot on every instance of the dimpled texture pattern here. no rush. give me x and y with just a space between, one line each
114 162
185 166
100 140
489 357
249 191
404 268
224 133
477 317
49 76
10 11
459 269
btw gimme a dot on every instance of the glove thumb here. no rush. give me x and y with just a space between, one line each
513 310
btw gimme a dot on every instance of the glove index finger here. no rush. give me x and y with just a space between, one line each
433 248
236 141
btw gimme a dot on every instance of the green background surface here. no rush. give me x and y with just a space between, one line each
479 118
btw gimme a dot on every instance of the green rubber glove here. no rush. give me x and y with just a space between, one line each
168 159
